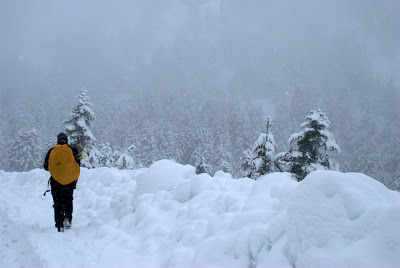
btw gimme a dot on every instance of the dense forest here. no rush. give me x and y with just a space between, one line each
187 127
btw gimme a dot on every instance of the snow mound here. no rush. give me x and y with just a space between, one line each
167 216
342 220
163 175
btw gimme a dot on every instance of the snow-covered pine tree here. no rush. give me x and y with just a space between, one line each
106 159
246 162
226 167
203 167
115 156
264 150
3 148
144 150
24 151
310 149
131 150
125 162
93 157
77 129
223 153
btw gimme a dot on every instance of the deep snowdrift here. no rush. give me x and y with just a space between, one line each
166 216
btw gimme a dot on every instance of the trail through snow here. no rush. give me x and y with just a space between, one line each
28 235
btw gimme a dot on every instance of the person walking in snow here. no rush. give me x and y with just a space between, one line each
63 163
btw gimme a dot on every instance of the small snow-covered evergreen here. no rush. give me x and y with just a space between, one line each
115 156
310 149
223 155
79 133
24 151
246 162
264 150
203 167
125 162
93 157
226 167
82 116
106 159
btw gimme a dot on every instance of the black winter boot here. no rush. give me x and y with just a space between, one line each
67 224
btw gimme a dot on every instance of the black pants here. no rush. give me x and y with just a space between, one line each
63 201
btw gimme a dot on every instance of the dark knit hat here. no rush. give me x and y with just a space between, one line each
62 136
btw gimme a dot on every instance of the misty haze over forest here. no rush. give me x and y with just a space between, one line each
181 79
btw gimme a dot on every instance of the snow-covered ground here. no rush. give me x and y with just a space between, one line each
166 216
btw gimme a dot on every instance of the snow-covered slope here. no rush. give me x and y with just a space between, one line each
166 216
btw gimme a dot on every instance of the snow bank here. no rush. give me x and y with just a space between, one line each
336 220
167 216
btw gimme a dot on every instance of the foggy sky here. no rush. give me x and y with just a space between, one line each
255 47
